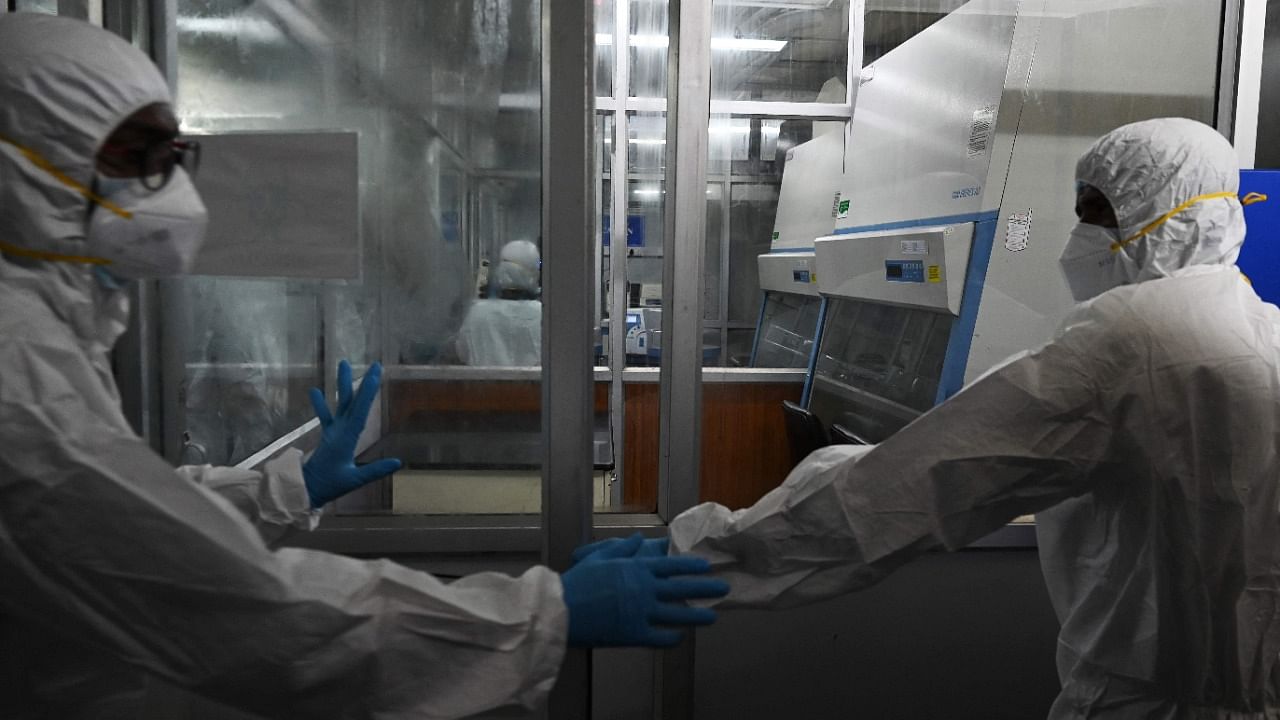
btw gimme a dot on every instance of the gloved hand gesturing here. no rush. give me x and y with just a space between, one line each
331 471
617 597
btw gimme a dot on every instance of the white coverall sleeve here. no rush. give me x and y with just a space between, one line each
1023 437
102 543
274 499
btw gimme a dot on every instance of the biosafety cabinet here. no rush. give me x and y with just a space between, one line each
957 195
807 206
892 343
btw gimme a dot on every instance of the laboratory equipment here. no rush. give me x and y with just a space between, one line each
957 198
808 203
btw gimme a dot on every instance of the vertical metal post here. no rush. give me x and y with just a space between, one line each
149 356
1228 66
684 246
89 10
171 311
618 211
853 74
117 16
683 250
1247 89
726 251
568 222
164 39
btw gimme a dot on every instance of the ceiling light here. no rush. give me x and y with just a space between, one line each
717 43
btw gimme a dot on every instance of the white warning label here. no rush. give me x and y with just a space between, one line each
1018 234
984 121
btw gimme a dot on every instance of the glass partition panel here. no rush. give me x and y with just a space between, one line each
788 327
49 7
879 365
604 47
795 52
647 49
889 23
445 98
1268 144
751 213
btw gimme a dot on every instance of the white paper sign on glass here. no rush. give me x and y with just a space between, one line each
281 204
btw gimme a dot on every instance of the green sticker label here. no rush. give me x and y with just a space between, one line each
775 237
844 209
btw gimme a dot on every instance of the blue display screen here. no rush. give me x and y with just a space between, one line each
904 271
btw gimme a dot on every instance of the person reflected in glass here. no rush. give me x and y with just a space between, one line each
506 331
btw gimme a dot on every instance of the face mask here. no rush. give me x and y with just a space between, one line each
162 235
1089 264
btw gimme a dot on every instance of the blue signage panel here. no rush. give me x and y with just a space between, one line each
635 230
1260 256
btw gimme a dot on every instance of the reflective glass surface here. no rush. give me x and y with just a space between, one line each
49 7
445 98
878 366
787 329
779 52
1268 145
889 23
647 48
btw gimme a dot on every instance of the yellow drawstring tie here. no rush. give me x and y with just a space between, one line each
56 257
39 161
1252 198
1115 247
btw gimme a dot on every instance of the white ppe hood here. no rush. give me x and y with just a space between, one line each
64 87
1172 183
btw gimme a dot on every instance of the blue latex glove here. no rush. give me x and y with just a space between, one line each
617 598
649 547
331 471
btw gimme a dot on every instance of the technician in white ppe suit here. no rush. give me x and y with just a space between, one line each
114 568
1144 435
506 331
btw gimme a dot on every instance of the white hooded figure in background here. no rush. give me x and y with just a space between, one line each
115 568
1145 436
507 331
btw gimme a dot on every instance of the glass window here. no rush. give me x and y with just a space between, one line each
648 48
604 48
878 366
1268 147
788 327
890 23
445 98
751 216
49 7
779 51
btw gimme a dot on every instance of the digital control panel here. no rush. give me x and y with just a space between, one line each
904 271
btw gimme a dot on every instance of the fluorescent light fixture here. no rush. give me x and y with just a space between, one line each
238 26
747 44
717 43
647 141
647 192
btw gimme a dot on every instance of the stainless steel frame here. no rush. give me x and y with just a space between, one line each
618 211
1229 66
568 228
689 77
683 241
1248 77
90 10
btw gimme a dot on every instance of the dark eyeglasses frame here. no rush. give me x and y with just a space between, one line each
156 163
